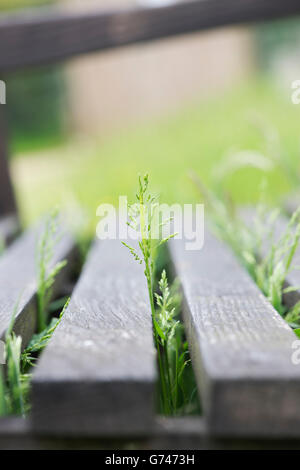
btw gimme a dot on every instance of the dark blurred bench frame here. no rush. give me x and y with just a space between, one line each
42 36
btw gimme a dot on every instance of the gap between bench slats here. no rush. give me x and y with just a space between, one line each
241 348
98 372
18 281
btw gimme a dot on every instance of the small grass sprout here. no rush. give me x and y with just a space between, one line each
39 341
174 350
46 273
142 219
275 265
15 383
15 377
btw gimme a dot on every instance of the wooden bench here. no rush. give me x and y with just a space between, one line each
94 385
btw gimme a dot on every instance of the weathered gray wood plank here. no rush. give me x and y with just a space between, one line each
98 372
43 36
241 347
18 281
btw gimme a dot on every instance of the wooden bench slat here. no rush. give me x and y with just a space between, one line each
241 348
49 35
18 281
98 372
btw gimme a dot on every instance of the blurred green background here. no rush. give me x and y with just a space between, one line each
36 98
52 165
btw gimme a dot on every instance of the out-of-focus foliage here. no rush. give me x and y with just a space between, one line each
34 98
14 4
276 38
35 107
197 137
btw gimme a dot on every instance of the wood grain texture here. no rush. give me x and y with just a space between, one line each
98 372
49 35
18 281
241 348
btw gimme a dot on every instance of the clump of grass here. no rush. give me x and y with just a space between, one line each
267 257
182 391
273 268
13 385
171 350
46 274
39 341
15 382
167 324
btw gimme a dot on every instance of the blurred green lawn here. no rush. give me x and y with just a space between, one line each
94 171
